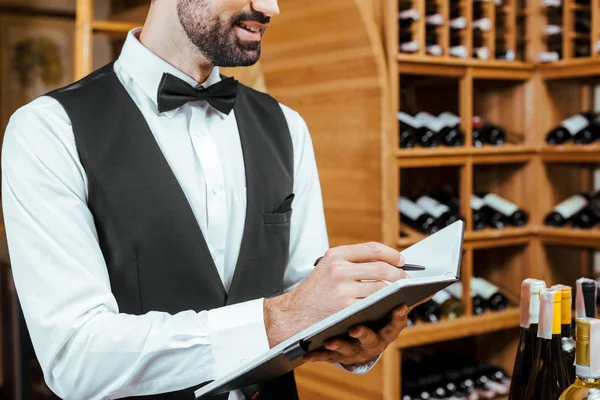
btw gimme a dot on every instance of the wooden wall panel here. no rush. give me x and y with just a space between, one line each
333 74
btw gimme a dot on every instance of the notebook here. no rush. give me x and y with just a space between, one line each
440 253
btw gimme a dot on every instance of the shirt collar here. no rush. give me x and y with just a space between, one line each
146 69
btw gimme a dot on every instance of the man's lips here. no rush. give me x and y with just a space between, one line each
252 26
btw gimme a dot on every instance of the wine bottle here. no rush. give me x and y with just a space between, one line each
482 52
447 195
530 309
442 213
450 307
415 217
483 24
494 300
456 290
589 134
507 55
408 130
511 211
451 134
429 136
566 210
567 341
428 312
409 15
549 56
552 30
590 215
549 377
492 217
585 298
587 367
568 129
435 19
460 51
486 133
479 217
458 23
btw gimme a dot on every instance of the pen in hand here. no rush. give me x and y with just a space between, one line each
405 267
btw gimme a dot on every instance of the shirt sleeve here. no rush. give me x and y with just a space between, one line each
308 236
86 348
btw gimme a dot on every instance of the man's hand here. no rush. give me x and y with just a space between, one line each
365 344
344 275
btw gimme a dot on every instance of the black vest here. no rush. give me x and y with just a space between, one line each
156 254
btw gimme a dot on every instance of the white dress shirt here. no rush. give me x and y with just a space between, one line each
86 348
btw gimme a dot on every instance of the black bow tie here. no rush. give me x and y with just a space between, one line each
174 92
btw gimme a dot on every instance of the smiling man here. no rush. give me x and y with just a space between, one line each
163 221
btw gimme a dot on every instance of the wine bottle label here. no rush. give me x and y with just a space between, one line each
571 206
458 23
483 288
575 123
551 3
459 51
432 206
430 121
597 47
552 30
441 297
483 53
409 14
548 56
455 290
410 209
501 205
435 19
476 203
410 47
484 24
409 120
449 119
508 55
434 50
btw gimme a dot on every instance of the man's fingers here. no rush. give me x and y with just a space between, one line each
390 332
367 337
365 289
365 252
348 348
378 270
323 356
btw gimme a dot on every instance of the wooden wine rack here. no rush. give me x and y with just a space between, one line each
355 135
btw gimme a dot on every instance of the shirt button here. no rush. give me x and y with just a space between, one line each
215 190
198 133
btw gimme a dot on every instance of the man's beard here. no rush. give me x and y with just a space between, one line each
217 40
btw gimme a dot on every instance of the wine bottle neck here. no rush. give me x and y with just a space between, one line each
566 331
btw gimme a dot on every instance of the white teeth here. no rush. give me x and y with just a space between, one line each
250 28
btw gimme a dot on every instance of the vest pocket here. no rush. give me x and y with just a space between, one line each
277 218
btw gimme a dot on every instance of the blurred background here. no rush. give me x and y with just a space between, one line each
421 112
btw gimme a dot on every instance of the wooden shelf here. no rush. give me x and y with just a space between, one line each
570 153
422 334
458 155
457 67
573 68
589 238
488 238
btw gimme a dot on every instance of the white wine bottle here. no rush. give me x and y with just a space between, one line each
549 377
530 313
567 341
587 366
